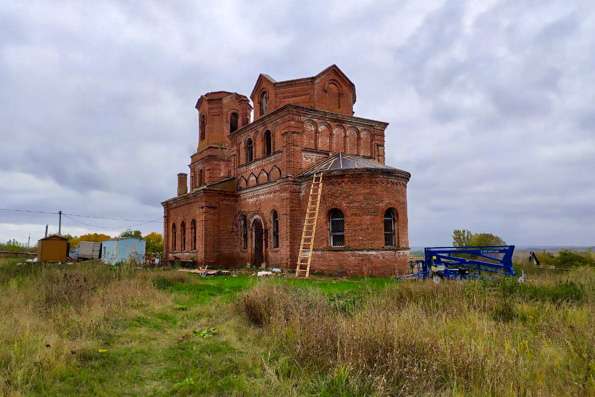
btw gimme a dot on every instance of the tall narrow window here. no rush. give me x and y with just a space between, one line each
336 228
268 143
202 126
389 227
244 230
173 237
249 150
183 236
275 224
264 103
233 122
193 235
201 177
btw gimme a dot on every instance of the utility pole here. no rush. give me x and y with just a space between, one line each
29 241
46 230
59 223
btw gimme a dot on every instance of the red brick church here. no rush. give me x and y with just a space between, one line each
251 174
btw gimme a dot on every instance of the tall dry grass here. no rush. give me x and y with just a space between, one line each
51 314
418 338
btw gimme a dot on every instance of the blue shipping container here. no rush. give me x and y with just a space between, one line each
123 250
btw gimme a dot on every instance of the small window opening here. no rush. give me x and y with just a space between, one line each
233 122
249 150
275 223
173 237
389 227
264 103
336 228
183 236
268 143
244 231
202 126
193 235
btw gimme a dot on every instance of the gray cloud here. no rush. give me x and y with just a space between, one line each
489 103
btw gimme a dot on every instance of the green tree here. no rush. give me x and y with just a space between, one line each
483 239
131 234
13 246
463 238
154 242
74 241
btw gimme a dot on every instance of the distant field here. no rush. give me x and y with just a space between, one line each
90 329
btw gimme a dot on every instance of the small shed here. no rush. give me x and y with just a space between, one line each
52 249
89 250
122 250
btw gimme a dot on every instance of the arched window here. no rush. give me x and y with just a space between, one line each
201 177
202 126
264 103
233 122
390 215
336 228
275 224
173 237
183 236
244 230
268 143
193 235
249 150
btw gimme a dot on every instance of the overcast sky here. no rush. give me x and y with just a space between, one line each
491 104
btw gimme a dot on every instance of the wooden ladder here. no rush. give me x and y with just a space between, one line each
309 231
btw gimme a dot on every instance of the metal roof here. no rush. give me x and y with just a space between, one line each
342 161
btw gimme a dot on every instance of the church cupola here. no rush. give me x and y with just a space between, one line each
220 113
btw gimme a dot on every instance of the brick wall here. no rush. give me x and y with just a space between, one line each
363 197
360 262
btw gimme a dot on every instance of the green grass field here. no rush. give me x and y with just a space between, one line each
89 329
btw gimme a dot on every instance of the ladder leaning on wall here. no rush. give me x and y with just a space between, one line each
309 231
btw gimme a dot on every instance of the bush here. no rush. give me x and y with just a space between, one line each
567 259
559 292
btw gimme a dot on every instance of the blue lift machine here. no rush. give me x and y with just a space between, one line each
459 263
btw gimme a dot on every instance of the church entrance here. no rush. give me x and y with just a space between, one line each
258 241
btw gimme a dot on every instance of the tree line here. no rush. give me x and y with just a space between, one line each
154 240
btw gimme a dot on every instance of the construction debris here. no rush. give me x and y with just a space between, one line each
204 272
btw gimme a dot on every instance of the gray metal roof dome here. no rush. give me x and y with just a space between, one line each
342 161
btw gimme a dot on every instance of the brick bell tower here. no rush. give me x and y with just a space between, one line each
219 114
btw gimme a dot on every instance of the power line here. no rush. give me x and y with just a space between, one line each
97 226
92 225
115 219
29 211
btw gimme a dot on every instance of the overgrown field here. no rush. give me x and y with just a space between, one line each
90 329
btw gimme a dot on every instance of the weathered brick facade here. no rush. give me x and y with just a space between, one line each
249 182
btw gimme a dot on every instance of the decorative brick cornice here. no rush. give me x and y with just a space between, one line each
290 109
